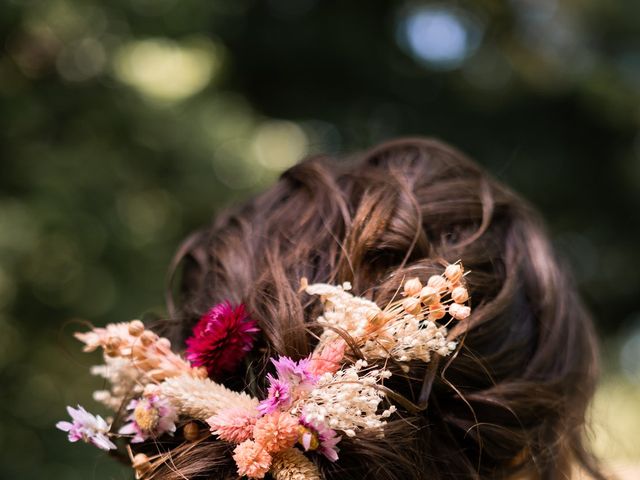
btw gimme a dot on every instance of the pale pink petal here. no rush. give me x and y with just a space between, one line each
64 426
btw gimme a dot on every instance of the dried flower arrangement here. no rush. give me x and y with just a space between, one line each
310 403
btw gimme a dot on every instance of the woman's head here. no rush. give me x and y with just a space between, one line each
511 399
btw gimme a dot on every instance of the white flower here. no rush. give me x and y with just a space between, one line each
343 310
408 338
88 428
125 379
348 400
404 336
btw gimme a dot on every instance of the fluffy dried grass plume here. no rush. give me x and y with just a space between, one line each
291 464
201 398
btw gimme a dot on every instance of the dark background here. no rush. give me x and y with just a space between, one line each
126 124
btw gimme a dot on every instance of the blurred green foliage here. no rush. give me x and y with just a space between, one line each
126 124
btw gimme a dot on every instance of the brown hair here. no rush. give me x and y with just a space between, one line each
511 400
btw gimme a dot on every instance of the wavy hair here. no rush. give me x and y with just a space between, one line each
511 401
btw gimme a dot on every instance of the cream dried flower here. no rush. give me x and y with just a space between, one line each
343 310
405 330
408 338
201 398
126 381
349 399
292 464
150 354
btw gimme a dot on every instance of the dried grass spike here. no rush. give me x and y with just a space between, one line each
201 398
293 465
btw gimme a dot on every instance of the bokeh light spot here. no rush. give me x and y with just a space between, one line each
439 36
164 70
279 144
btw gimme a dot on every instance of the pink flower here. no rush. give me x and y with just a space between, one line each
329 358
276 432
221 339
279 395
233 425
296 374
88 428
317 436
293 380
152 416
252 459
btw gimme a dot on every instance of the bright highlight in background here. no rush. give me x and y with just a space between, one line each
279 144
164 70
439 36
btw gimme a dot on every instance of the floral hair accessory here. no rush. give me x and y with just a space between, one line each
221 339
309 405
87 427
151 416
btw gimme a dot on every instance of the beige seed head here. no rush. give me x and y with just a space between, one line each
459 312
437 282
141 463
411 305
460 295
412 287
112 347
138 352
147 338
191 431
436 312
453 272
136 328
429 295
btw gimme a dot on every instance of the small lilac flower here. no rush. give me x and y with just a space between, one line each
317 436
297 374
152 416
88 428
279 395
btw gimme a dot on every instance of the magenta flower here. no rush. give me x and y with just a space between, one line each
279 395
317 436
221 339
152 416
88 428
